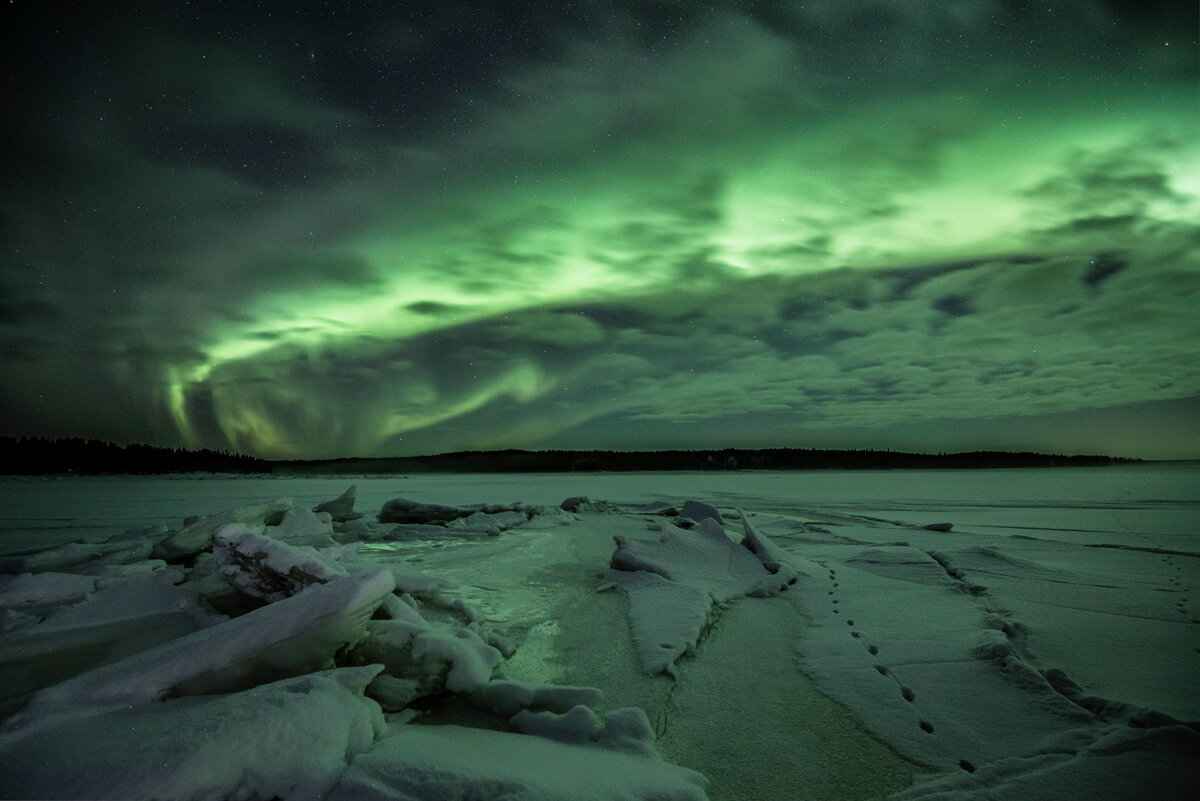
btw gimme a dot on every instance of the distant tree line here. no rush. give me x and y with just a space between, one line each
42 456
517 461
39 456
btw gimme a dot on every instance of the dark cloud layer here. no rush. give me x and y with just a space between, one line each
410 227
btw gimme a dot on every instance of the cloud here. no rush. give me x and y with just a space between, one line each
914 356
391 228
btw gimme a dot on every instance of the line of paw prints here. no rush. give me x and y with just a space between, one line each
905 692
1175 580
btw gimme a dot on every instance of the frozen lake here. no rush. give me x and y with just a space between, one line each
1014 634
1160 501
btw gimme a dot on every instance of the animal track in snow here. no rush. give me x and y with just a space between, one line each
906 693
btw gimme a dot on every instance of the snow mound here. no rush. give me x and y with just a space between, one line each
627 730
445 763
507 698
302 527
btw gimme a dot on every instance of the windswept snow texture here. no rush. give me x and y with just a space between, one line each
939 635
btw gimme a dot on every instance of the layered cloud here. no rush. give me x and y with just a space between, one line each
472 228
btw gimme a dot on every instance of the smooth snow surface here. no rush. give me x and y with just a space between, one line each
916 635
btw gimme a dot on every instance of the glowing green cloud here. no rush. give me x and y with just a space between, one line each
849 194
764 226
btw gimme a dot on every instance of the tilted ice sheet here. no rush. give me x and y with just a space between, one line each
295 635
446 763
289 739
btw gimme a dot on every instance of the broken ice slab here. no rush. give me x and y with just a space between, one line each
38 593
666 619
548 518
774 559
489 522
292 636
264 568
704 557
302 527
393 694
184 544
673 582
402 510
458 661
289 739
95 621
76 557
698 511
456 762
582 503
662 508
341 508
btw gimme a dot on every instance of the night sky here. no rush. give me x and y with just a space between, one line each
311 230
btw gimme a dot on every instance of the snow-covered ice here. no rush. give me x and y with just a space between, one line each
934 635
292 738
266 568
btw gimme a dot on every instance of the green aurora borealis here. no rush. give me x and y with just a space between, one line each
388 229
